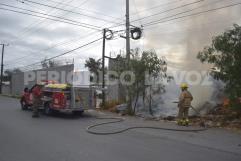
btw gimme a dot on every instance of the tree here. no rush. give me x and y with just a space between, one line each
224 54
94 66
143 64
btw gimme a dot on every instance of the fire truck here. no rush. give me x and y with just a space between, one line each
63 98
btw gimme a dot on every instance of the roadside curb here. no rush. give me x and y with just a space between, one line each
10 96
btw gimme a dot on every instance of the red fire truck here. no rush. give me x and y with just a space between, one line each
64 98
26 99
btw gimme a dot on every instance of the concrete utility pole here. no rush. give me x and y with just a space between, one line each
127 32
128 49
1 81
103 68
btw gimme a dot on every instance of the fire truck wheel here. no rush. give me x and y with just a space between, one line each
47 109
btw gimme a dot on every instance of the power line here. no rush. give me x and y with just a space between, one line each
180 13
65 4
192 14
157 6
66 52
93 34
89 43
53 46
45 17
181 6
198 13
58 3
87 10
49 48
37 22
134 2
48 18
100 19
195 2
50 15
28 29
35 30
194 29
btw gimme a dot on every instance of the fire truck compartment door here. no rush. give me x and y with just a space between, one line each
84 98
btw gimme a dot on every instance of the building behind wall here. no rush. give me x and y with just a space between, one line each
17 83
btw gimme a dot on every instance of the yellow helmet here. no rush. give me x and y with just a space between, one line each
184 85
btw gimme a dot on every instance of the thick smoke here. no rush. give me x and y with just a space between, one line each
180 41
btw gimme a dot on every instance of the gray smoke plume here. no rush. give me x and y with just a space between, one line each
180 41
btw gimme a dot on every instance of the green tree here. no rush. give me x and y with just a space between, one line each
143 64
94 66
225 56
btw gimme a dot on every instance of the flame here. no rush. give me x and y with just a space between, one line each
226 102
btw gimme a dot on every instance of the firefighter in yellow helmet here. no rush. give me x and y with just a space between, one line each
184 104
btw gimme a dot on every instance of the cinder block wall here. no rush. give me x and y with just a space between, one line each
17 79
6 89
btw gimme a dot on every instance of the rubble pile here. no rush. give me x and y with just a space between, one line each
220 116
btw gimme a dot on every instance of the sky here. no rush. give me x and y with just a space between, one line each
168 28
32 39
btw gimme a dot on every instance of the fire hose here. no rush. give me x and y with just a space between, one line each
118 119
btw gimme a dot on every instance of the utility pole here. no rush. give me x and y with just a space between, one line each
127 32
128 50
103 68
1 81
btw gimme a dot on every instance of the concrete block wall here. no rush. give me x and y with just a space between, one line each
17 80
6 89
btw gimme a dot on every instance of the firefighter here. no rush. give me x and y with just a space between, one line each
36 92
23 100
184 104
